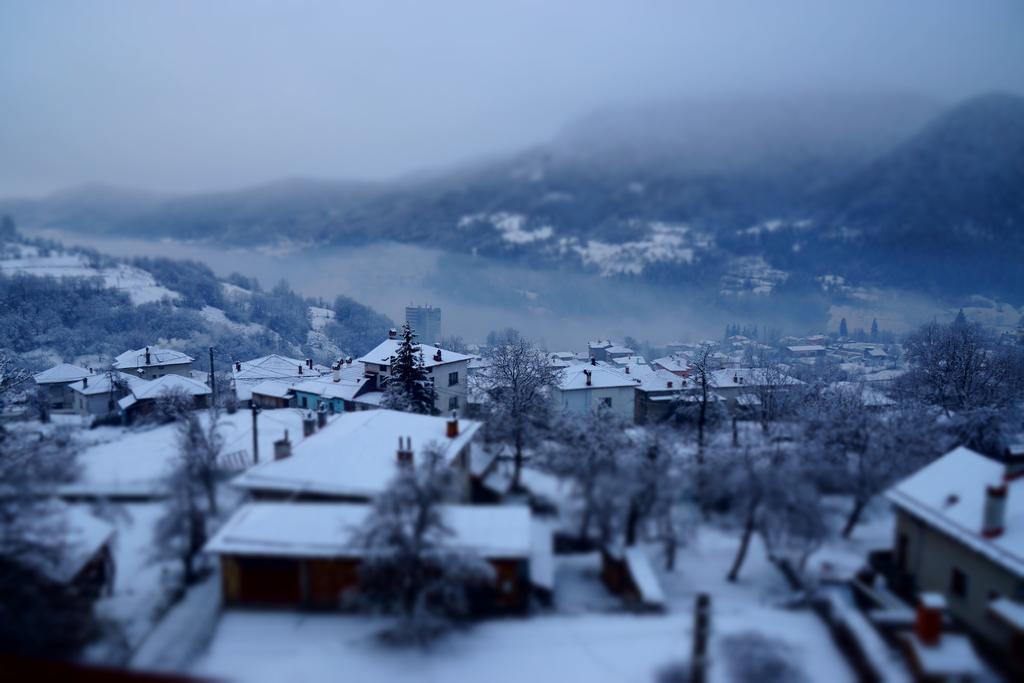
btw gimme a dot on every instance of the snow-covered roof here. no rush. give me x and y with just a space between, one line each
356 454
673 363
806 348
157 387
325 387
883 375
1010 611
381 355
130 360
272 388
274 367
949 494
620 350
646 580
601 377
331 530
629 360
79 535
737 377
61 373
100 384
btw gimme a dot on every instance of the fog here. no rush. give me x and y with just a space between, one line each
190 96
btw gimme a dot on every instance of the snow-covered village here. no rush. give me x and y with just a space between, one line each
454 342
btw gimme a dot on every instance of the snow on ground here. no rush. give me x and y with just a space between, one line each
665 243
138 284
133 462
588 636
217 316
316 338
511 226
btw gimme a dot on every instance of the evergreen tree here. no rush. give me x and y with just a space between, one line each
409 388
961 319
874 329
843 330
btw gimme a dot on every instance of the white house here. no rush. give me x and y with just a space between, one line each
960 532
447 368
589 386
98 394
142 397
152 362
56 384
248 374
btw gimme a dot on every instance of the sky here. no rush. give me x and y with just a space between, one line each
189 96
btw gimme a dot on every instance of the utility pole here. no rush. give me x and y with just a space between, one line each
255 440
213 384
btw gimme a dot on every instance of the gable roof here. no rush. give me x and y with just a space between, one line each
60 373
745 377
949 495
601 377
332 530
130 360
100 384
274 366
167 383
325 387
355 454
382 353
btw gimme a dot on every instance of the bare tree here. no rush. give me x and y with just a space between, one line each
200 445
12 377
409 565
773 387
702 371
517 381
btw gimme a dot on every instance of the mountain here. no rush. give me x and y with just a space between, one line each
879 189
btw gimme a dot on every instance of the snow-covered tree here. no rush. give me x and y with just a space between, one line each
517 381
200 445
588 450
410 567
12 378
39 617
409 387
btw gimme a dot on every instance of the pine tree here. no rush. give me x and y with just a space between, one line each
843 330
409 388
960 319
874 329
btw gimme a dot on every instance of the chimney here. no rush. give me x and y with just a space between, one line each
308 424
437 356
336 372
928 618
85 382
238 366
995 510
348 361
593 361
453 425
1014 461
147 356
300 369
321 415
735 379
587 373
627 369
283 448
309 363
405 455
392 333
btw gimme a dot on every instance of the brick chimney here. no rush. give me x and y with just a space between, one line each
453 425
321 415
309 363
300 369
437 356
148 357
588 375
283 447
405 454
1014 460
995 510
336 372
928 618
85 382
238 366
627 369
392 333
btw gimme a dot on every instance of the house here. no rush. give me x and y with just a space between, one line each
659 393
588 386
806 351
271 395
308 554
152 362
143 398
82 556
447 368
676 364
55 384
248 374
98 394
959 532
740 386
354 456
341 391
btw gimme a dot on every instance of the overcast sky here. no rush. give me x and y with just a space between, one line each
184 96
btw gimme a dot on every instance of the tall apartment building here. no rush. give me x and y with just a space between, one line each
425 322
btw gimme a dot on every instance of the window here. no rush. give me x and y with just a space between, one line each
605 402
958 583
302 402
453 403
453 379
901 551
